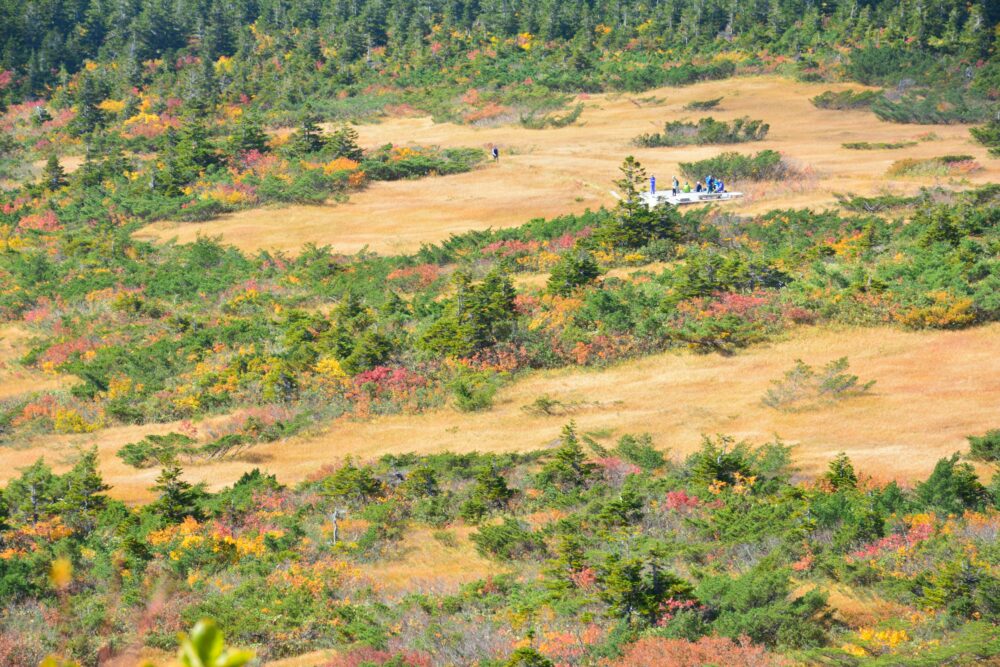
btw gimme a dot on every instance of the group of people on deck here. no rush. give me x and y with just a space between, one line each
712 184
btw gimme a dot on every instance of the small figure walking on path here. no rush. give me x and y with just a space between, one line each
496 154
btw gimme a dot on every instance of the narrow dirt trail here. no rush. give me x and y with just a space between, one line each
544 173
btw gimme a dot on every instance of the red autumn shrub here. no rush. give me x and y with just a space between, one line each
677 500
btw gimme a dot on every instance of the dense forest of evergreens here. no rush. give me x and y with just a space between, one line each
282 54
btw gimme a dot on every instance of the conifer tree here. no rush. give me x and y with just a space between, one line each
635 587
490 493
527 656
478 317
195 150
569 560
626 509
492 488
202 87
569 468
343 143
989 135
574 269
308 138
53 176
249 136
177 499
29 497
841 473
354 483
82 496
633 224
420 483
985 447
89 116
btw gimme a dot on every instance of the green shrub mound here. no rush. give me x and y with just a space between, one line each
703 105
988 135
878 145
933 108
845 99
705 131
766 165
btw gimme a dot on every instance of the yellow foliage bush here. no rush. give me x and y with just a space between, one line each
947 312
67 420
112 106
340 164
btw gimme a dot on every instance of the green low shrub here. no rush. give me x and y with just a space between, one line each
845 99
154 450
510 540
532 121
763 166
705 131
703 105
878 145
804 387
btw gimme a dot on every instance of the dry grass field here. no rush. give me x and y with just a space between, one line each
424 563
556 171
932 389
15 379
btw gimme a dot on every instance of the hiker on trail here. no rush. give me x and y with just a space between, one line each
720 186
709 182
496 154
677 186
687 186
697 186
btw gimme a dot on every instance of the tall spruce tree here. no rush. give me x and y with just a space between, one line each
249 136
30 497
53 176
308 138
633 224
82 494
177 498
343 143
568 468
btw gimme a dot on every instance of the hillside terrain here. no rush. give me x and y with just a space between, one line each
920 411
545 173
296 371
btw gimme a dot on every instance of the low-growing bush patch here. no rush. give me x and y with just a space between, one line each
804 387
989 136
845 99
932 107
533 121
703 105
763 166
878 145
705 131
946 165
876 203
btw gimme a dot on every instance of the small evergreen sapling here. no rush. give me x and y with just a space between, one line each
54 176
569 468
